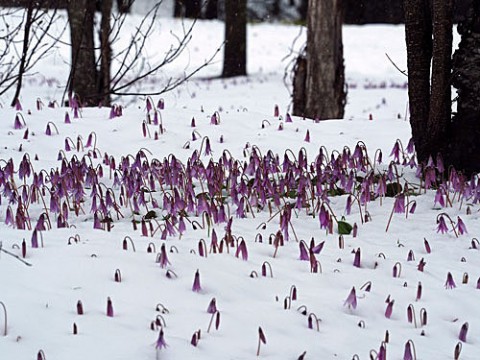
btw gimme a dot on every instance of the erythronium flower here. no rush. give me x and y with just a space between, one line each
427 246
109 307
212 306
442 225
242 250
356 259
462 336
419 291
351 300
408 354
439 197
389 309
421 265
303 251
163 257
462 229
160 344
307 136
450 283
196 283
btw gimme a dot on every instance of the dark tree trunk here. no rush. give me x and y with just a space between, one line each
464 152
211 12
440 95
418 34
83 74
235 50
430 100
193 8
325 80
303 9
178 9
299 82
105 54
124 6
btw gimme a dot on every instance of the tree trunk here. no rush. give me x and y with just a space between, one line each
235 49
124 6
178 9
193 9
441 95
464 151
211 11
325 80
83 74
430 100
418 35
105 53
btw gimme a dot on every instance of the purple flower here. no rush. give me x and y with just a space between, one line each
276 111
462 229
351 300
242 250
212 307
399 204
67 118
407 354
160 341
389 309
421 265
439 197
348 206
307 136
419 291
463 332
163 257
442 225
303 251
356 259
196 282
109 307
396 151
450 283
17 125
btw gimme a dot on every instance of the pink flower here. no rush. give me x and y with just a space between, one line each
462 229
389 309
351 300
450 283
196 282
160 341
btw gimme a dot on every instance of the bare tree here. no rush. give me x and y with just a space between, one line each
131 65
188 8
319 86
36 23
235 50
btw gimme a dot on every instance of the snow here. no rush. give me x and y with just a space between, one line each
41 299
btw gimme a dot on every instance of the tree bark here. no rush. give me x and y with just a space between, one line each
83 74
418 35
325 80
105 54
235 49
441 95
193 9
211 12
464 151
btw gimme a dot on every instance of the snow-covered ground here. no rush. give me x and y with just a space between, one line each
78 263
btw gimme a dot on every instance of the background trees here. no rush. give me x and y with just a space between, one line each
319 84
235 48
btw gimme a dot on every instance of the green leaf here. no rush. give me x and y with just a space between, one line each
344 228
